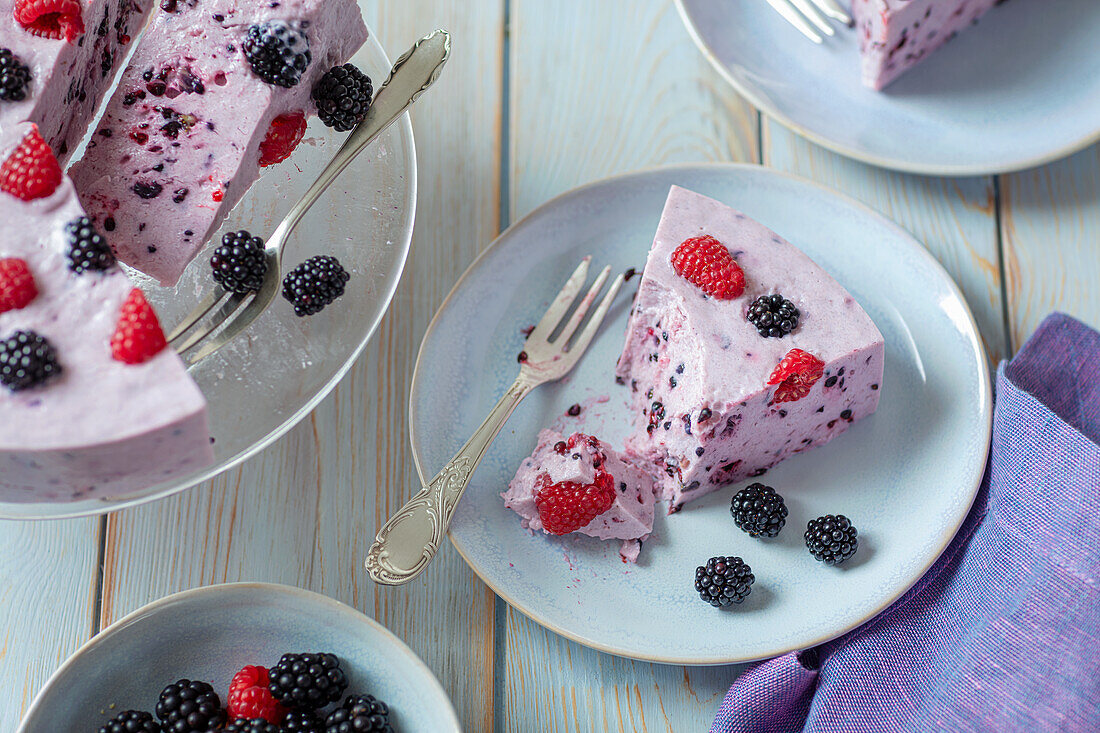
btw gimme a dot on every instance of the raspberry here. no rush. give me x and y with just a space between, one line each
308 681
138 336
567 506
314 284
724 580
250 698
239 263
88 250
26 360
343 96
17 288
14 77
50 18
282 137
31 171
278 52
359 714
706 263
795 375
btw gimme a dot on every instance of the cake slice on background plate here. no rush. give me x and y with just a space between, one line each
740 351
895 35
215 90
92 403
57 59
579 484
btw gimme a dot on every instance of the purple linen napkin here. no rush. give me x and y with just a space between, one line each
1003 633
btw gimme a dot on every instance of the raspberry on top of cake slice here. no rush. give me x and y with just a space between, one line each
579 484
740 351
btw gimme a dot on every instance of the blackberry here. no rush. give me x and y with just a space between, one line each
88 250
14 77
239 263
359 713
831 539
278 52
302 721
307 681
773 315
758 510
26 360
314 284
132 721
255 725
343 96
190 706
724 580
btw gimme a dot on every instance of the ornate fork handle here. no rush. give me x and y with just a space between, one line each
407 543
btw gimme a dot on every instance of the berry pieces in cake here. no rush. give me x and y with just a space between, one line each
579 484
714 399
58 60
895 35
214 90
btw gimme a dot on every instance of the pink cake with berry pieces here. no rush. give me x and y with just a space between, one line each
896 35
740 351
579 484
215 89
69 52
92 404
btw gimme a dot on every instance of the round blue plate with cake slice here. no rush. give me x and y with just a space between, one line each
905 474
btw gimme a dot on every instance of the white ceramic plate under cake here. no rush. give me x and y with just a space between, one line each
905 476
1020 89
271 376
209 633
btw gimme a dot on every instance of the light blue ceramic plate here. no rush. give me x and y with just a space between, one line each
209 633
905 476
1020 89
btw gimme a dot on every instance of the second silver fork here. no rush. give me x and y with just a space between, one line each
410 539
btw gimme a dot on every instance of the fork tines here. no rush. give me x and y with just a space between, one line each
558 333
811 16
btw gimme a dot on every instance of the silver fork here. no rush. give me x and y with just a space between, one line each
811 16
411 538
415 71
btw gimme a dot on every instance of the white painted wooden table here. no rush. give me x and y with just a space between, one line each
540 95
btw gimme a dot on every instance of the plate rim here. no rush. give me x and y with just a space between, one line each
43 510
764 105
184 596
984 403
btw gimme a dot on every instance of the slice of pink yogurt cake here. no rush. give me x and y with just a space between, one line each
740 351
70 51
92 404
896 35
579 484
215 90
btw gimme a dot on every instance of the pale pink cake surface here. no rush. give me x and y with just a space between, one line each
629 519
69 78
171 157
699 370
102 427
895 35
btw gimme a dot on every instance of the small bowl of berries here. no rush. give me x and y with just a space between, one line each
243 658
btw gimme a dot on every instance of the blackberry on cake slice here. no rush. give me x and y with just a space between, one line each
580 484
714 401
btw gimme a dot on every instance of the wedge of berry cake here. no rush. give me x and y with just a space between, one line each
896 35
92 403
740 351
57 60
215 90
579 484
